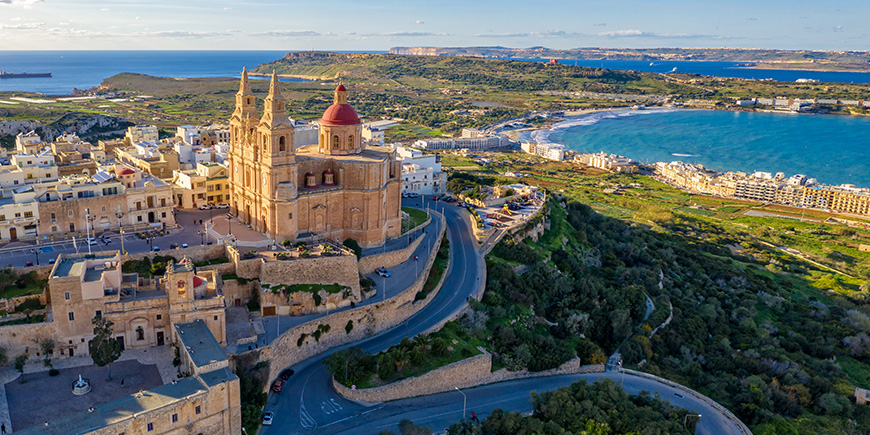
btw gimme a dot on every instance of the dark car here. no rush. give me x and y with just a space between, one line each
278 386
286 374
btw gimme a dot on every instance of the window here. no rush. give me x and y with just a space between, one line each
18 215
281 141
198 409
217 187
159 316
66 296
140 333
138 218
72 316
99 314
291 216
53 217
104 209
70 213
150 427
2 217
215 317
335 142
54 228
163 215
175 418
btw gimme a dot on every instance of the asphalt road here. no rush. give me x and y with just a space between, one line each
310 404
439 411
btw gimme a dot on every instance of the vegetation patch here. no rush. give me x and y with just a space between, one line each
439 266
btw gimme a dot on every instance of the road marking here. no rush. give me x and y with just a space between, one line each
305 419
353 416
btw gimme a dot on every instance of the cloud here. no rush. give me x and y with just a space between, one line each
545 34
180 34
26 4
22 26
287 33
404 34
228 8
599 25
838 29
635 33
104 9
624 33
419 22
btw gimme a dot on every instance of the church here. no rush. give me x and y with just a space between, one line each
337 189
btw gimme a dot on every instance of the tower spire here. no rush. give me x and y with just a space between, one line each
245 86
274 90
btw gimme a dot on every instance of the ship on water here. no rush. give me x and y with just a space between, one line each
23 75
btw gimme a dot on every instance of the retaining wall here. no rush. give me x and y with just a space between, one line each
293 347
20 338
470 372
369 263
728 414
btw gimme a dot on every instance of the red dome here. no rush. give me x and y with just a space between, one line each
126 171
340 114
197 281
340 88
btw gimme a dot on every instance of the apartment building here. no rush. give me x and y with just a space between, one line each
471 143
28 143
159 160
843 199
421 173
207 184
141 133
610 162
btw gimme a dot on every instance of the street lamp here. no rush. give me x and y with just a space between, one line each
201 240
121 230
464 401
686 417
229 224
36 253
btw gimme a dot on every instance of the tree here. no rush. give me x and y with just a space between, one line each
47 348
353 246
20 361
4 356
104 348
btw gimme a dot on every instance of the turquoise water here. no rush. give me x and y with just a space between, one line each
831 148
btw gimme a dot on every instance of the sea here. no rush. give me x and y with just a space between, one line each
834 149
86 69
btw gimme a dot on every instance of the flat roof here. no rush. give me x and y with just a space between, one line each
200 343
74 264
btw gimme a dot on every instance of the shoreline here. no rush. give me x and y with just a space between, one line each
584 112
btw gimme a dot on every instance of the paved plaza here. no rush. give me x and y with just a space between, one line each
43 397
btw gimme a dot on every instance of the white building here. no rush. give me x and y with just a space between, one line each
28 143
471 143
141 133
189 134
549 151
421 173
610 162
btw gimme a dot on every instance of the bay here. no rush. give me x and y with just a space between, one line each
831 148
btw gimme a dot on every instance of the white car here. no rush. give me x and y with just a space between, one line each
92 241
267 418
185 245
205 207
222 205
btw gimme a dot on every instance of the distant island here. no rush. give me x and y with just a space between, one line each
808 60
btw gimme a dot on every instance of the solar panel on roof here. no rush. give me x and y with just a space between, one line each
102 177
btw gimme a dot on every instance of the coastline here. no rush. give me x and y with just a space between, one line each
527 134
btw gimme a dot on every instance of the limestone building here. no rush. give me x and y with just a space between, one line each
336 189
84 286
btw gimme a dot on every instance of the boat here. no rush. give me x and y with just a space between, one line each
24 75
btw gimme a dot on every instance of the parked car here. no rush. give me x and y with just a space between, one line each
206 207
268 416
383 272
92 241
286 374
173 246
405 195
278 386
28 264
185 245
51 260
222 205
107 240
155 248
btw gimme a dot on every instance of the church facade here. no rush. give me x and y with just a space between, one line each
337 189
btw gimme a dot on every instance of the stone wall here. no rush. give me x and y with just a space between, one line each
303 302
195 253
233 289
337 269
20 338
470 372
299 343
369 263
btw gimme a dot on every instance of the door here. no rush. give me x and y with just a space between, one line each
13 233
70 351
269 311
160 338
238 302
151 217
120 339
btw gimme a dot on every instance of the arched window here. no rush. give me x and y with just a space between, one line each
281 144
265 143
335 142
350 144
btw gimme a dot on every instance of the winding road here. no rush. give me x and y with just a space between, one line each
310 405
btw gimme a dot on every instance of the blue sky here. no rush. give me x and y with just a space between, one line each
381 24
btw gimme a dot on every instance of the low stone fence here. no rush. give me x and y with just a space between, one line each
470 372
195 253
418 227
369 263
319 335
9 304
728 414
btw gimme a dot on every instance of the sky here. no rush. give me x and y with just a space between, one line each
381 24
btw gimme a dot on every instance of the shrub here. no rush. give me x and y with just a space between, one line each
301 340
53 372
353 246
439 347
349 326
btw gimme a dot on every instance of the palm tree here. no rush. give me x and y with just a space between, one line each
423 341
401 357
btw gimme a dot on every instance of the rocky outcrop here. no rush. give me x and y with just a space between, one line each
84 125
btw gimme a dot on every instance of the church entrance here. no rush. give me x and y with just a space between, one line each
13 233
151 217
